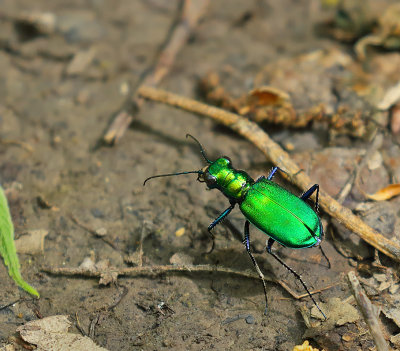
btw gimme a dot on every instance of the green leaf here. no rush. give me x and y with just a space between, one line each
7 246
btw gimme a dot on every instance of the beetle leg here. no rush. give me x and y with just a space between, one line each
326 257
246 242
218 220
269 250
304 197
309 192
260 178
273 171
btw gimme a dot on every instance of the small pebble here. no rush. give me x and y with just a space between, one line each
97 213
180 232
101 231
250 319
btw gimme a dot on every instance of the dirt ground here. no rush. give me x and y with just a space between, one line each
53 115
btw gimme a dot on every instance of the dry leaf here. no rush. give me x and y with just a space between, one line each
339 312
391 97
8 348
385 193
305 347
266 96
395 120
32 243
181 258
395 340
80 62
51 334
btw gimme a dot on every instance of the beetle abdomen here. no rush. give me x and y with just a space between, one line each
281 215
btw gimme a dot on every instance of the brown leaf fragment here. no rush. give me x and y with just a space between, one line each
267 95
9 347
264 96
80 62
385 193
395 340
180 258
31 243
395 119
51 334
117 128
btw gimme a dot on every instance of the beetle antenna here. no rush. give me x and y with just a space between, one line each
201 147
170 174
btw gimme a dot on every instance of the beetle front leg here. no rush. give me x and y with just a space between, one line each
218 220
297 275
246 242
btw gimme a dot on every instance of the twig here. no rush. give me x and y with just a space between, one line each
235 318
142 236
78 325
119 298
92 231
158 270
92 325
10 304
280 158
192 11
21 144
368 313
298 297
348 186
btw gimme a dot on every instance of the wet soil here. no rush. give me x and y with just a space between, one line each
62 117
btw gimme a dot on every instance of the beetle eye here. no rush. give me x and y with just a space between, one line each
228 159
210 179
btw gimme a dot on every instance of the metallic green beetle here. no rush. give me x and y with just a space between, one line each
281 215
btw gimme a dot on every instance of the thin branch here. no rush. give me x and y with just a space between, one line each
21 144
280 158
302 296
192 12
10 304
93 232
368 313
78 325
158 270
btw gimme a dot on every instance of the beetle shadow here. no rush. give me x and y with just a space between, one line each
282 253
237 233
178 143
236 293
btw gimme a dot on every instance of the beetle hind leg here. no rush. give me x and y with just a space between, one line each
309 192
304 197
246 242
326 257
273 171
297 275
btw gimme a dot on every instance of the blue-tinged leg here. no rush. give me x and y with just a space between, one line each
309 192
326 257
269 250
273 171
260 178
246 242
218 220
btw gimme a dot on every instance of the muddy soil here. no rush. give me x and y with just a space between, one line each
55 169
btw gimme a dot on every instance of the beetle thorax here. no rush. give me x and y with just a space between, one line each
233 183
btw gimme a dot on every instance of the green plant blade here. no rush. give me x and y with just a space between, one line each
7 246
